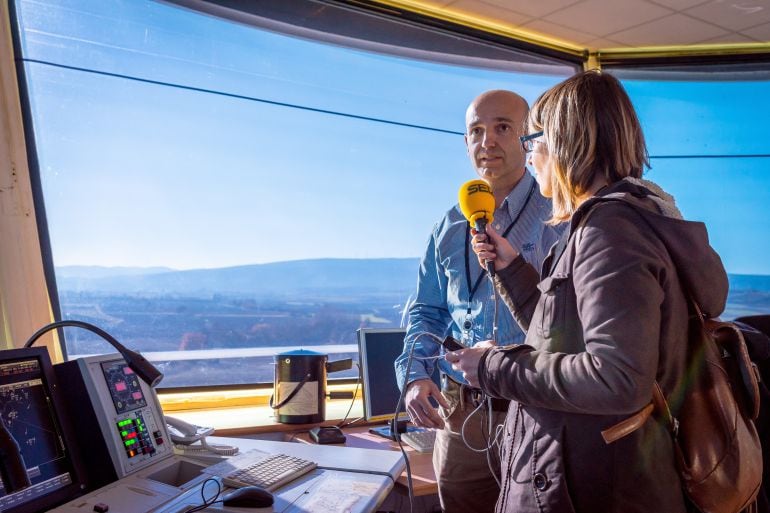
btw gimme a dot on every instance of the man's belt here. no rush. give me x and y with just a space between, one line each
474 395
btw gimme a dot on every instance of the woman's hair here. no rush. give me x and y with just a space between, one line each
590 131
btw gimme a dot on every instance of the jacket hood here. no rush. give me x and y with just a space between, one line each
699 267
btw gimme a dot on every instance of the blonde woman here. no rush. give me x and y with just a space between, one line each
606 321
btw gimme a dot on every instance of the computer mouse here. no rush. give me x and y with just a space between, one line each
248 497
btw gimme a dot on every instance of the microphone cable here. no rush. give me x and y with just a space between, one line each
493 433
394 422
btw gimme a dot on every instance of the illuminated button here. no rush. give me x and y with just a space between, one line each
159 441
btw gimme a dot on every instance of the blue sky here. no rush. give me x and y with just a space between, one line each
139 174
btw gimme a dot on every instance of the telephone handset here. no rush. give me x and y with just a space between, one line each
183 433
184 436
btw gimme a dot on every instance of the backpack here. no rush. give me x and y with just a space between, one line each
711 417
756 333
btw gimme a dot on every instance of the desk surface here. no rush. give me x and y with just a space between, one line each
421 464
346 480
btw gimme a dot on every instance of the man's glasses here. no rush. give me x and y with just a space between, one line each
528 141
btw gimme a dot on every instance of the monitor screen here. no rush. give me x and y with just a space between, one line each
37 468
378 349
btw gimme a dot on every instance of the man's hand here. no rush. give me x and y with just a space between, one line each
418 406
467 361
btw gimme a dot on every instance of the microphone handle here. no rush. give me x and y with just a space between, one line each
481 227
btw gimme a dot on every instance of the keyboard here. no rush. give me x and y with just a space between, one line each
269 473
421 440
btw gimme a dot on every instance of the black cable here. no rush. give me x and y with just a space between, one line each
326 111
240 96
394 430
207 502
354 421
341 423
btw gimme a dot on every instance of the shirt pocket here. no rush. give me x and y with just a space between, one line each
553 294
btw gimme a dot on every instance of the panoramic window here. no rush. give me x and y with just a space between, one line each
217 193
709 145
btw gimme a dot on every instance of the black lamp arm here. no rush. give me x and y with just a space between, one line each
143 368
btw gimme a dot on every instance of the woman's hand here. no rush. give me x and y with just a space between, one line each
499 251
467 362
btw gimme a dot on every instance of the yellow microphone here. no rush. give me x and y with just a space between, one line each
477 203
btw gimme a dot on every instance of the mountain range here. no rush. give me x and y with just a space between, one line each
350 277
332 276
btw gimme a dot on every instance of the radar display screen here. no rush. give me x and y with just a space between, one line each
36 464
124 386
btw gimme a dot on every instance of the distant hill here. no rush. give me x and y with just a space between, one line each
348 277
95 271
327 277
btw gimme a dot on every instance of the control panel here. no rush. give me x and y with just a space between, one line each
122 421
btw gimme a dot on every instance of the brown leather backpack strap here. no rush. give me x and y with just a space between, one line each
627 425
659 400
637 420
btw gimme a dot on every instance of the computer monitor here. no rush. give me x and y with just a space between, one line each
378 349
37 468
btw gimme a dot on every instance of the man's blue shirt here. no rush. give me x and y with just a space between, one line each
442 301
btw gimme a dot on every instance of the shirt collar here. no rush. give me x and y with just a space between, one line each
515 200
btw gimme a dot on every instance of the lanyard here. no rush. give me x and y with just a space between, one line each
473 288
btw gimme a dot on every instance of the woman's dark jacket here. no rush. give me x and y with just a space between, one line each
608 321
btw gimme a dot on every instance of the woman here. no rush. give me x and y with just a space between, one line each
608 320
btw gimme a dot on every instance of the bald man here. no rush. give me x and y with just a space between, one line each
454 296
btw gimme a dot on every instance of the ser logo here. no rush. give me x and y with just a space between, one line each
479 187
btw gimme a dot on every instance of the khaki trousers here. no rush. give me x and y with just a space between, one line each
465 481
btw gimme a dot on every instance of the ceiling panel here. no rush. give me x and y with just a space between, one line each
560 32
604 17
621 25
489 11
733 15
676 29
731 38
535 9
603 43
439 3
759 33
678 5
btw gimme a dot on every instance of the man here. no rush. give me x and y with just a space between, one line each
454 296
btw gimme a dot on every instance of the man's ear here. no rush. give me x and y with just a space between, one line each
467 149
